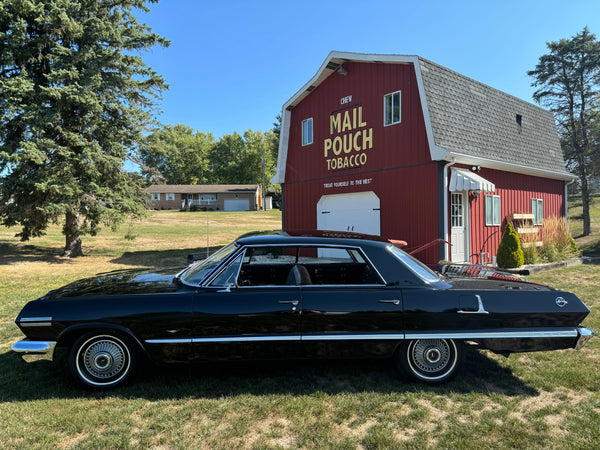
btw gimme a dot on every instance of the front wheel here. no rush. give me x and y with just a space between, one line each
101 360
429 360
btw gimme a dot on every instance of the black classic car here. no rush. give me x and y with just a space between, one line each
274 295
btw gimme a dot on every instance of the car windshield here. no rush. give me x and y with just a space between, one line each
415 266
196 273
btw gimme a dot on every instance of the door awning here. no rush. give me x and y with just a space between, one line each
465 180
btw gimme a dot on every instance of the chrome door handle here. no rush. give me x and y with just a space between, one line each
395 301
294 303
290 302
480 308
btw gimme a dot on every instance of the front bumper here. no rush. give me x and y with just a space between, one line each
45 348
585 334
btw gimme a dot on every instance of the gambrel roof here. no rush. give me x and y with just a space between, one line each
466 121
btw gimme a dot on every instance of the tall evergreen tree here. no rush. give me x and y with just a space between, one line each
568 82
74 97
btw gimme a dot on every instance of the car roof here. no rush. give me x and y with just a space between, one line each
313 237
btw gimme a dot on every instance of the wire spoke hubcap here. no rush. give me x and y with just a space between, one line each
431 355
104 358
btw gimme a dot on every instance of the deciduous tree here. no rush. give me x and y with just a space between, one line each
75 95
176 154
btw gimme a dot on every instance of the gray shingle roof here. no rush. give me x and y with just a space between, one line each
471 118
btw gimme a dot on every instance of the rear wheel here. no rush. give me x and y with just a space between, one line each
101 360
431 361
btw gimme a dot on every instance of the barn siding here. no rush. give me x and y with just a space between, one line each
515 191
399 168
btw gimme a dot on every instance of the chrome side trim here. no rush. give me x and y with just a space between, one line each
224 339
295 337
353 337
169 341
37 347
585 334
497 334
35 321
480 308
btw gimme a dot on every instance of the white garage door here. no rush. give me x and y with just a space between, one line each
237 205
358 212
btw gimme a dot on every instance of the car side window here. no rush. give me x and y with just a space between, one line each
306 265
229 274
338 266
267 266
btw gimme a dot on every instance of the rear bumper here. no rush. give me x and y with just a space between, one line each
585 334
45 348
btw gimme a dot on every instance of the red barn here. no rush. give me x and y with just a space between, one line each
401 147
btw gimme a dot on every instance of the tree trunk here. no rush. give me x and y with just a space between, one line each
585 202
585 193
73 239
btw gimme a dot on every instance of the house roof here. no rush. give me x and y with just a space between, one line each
466 121
202 188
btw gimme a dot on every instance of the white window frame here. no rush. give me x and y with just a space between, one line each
156 197
456 210
170 196
307 132
391 95
494 218
208 199
537 209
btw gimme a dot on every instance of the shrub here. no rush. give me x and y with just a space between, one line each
558 243
510 254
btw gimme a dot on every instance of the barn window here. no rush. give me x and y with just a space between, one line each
307 132
492 210
391 108
537 209
155 196
171 196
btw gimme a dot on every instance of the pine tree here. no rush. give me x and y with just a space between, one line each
74 98
568 82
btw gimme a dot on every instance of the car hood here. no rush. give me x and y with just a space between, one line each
120 282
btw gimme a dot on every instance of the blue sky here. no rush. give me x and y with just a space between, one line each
232 64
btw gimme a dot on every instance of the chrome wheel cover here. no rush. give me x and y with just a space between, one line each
103 360
432 359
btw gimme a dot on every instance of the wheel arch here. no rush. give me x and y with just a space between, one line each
69 335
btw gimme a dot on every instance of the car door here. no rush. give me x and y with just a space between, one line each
347 308
249 309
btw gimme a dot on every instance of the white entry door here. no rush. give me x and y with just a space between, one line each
358 212
459 228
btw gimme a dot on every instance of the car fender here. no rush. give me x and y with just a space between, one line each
70 334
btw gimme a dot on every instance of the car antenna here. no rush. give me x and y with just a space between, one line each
207 246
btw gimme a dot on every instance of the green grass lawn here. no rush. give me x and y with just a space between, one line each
537 400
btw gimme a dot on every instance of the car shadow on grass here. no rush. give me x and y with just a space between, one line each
40 380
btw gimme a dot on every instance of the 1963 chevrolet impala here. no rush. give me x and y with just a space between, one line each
273 295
